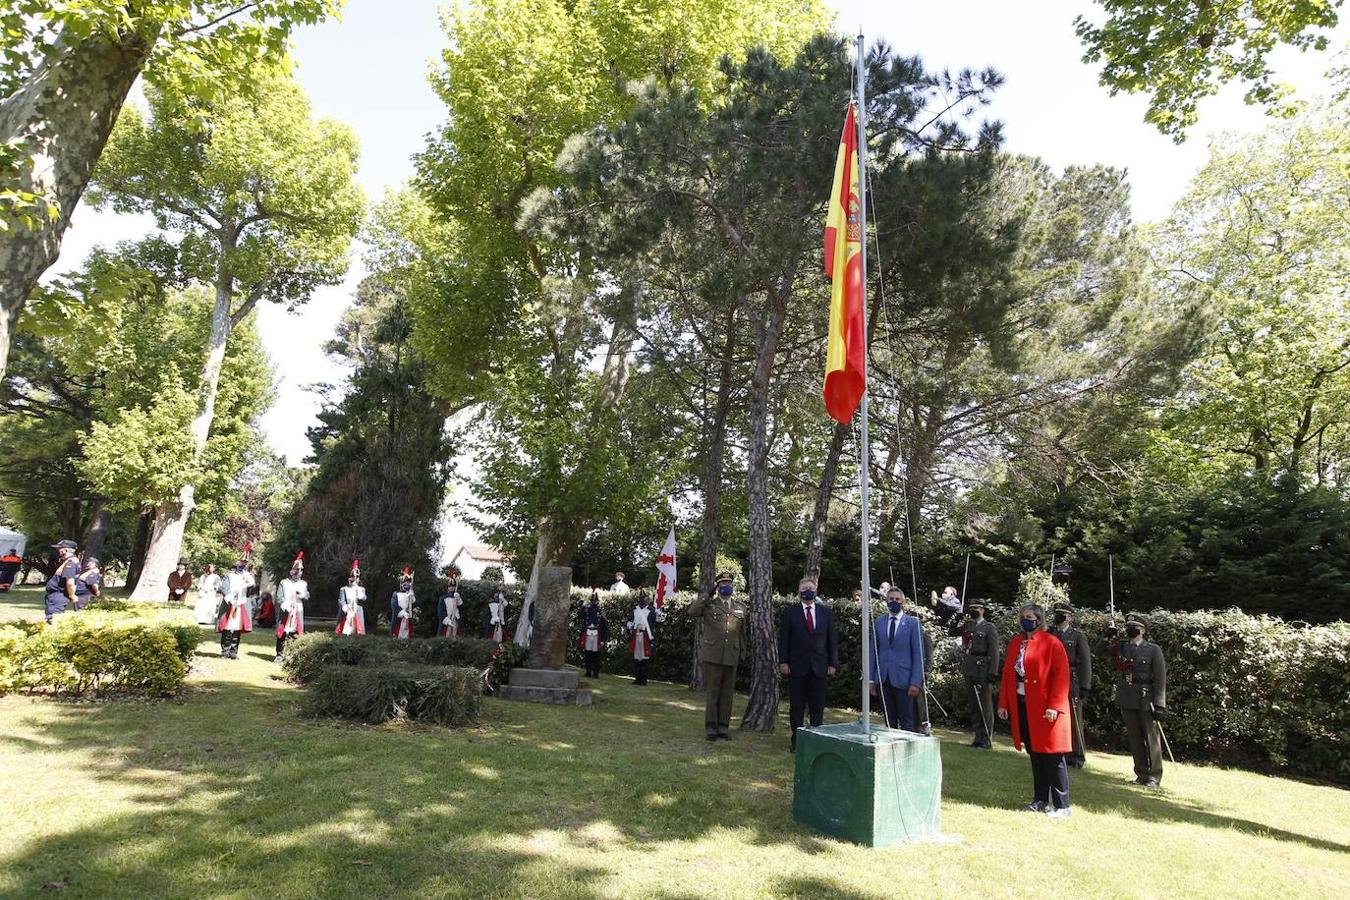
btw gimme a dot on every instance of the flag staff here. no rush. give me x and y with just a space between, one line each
862 450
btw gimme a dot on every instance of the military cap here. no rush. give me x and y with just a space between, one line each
1064 607
724 576
976 604
66 544
1136 619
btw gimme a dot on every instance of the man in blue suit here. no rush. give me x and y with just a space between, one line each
808 652
897 661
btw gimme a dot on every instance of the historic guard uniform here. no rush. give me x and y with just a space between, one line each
449 619
1141 694
723 623
232 616
496 618
594 635
291 596
401 607
980 650
351 614
180 581
208 595
641 630
1080 676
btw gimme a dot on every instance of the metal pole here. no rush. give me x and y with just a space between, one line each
863 451
965 582
1049 585
1111 578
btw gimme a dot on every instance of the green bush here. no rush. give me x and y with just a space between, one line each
444 695
309 654
90 654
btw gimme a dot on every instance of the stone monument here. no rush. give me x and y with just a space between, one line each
545 678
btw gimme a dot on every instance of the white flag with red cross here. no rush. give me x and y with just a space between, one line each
665 570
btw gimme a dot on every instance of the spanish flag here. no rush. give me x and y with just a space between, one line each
846 350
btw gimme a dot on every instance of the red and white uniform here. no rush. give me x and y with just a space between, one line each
291 596
235 616
402 608
351 617
496 629
640 631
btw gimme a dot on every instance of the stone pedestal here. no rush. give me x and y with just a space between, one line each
561 686
544 678
878 789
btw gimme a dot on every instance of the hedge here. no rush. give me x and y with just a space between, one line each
97 652
449 696
308 655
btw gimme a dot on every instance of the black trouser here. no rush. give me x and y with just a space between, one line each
981 698
1145 743
281 642
1049 774
592 658
719 685
899 706
921 720
640 671
805 692
229 644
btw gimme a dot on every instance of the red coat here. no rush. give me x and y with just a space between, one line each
1046 669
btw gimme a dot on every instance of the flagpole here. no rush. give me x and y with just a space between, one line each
863 451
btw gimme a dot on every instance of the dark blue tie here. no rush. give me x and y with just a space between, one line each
892 629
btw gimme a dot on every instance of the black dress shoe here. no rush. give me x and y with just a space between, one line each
724 736
712 737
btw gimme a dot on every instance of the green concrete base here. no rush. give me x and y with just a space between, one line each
878 789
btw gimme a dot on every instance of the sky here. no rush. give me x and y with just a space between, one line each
370 70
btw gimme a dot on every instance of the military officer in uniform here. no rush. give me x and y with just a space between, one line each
1141 694
65 590
1080 676
980 649
723 621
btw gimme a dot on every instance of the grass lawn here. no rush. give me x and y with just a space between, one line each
228 792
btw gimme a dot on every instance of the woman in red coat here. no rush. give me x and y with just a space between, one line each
1036 679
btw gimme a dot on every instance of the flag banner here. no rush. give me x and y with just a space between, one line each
846 349
665 570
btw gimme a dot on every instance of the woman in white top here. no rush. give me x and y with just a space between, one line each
208 597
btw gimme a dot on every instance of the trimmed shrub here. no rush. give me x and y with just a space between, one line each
309 654
375 694
84 654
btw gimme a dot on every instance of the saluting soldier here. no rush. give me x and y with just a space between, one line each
1141 694
980 649
1080 676
723 621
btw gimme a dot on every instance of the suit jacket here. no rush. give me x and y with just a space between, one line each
899 661
808 652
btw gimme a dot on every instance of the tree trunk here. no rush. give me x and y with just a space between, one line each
100 520
171 516
553 546
137 561
712 495
59 120
761 711
823 497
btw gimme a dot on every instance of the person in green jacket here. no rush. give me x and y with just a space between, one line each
723 624
1141 694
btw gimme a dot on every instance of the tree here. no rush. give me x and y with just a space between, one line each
1260 241
65 70
381 455
91 413
514 315
263 205
1180 51
674 167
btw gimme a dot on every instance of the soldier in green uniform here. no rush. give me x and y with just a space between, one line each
1141 694
1080 676
980 649
723 621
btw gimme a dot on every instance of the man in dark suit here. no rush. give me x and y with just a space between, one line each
808 652
897 662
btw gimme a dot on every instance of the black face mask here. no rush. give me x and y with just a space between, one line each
1133 631
808 596
1061 618
976 615
642 602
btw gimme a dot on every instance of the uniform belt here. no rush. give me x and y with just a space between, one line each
986 653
